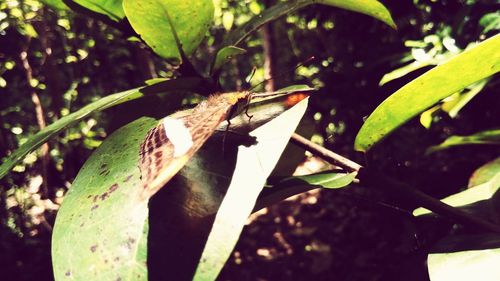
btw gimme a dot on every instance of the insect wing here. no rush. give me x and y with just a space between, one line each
168 146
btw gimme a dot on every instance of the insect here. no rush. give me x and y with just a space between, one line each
169 145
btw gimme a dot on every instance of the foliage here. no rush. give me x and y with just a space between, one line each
60 66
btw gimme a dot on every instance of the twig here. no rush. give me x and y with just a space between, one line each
39 114
373 178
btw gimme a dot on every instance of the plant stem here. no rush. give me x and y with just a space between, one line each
373 178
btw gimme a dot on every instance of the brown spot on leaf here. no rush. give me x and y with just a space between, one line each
128 178
95 198
68 273
94 207
113 188
130 243
93 248
104 196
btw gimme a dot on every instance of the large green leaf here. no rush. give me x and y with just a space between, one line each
473 257
482 192
484 137
151 20
104 226
463 257
369 7
100 230
253 165
474 64
112 8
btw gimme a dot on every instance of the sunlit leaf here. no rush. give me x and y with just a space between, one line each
490 137
464 265
462 99
490 21
471 195
111 8
106 228
369 7
472 65
404 70
253 166
99 229
56 4
150 19
296 185
485 173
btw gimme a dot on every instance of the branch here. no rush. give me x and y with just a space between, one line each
373 178
39 113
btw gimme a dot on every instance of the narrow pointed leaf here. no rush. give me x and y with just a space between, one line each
474 64
490 137
485 173
369 7
112 8
55 128
484 191
188 84
296 185
253 166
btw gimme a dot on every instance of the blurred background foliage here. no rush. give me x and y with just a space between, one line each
54 61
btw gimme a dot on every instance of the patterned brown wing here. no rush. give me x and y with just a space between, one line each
168 146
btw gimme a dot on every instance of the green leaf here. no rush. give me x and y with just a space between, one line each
471 195
53 129
402 71
225 54
479 263
100 233
112 8
474 64
490 22
253 166
35 141
56 4
294 185
485 173
485 137
150 19
104 227
455 105
369 7
325 180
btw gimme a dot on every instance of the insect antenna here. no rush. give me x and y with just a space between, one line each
282 73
